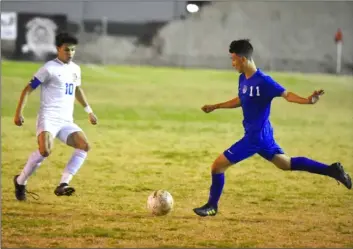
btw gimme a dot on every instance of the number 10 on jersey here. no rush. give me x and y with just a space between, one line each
69 88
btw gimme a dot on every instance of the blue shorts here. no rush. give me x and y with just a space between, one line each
247 147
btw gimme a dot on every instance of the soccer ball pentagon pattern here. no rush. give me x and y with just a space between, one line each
160 202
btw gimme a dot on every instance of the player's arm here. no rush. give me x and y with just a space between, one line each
233 103
275 90
81 98
294 98
39 77
19 120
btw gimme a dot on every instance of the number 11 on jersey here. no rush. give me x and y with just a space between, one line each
257 91
69 88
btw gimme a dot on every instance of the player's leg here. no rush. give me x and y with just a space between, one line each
73 136
334 170
45 144
273 152
236 153
270 151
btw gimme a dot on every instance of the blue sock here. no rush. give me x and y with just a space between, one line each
216 189
306 164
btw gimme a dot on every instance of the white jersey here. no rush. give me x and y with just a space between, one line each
58 82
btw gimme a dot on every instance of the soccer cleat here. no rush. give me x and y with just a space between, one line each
206 210
64 189
20 191
337 172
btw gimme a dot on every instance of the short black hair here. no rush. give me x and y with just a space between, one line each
65 37
241 47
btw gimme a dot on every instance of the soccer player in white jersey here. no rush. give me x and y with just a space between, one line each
60 84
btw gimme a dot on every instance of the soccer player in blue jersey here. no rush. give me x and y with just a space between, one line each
255 94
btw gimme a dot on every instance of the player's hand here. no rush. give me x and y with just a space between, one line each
209 108
92 118
313 98
19 120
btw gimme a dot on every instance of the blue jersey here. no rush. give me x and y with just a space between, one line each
256 94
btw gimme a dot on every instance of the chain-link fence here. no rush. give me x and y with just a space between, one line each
287 35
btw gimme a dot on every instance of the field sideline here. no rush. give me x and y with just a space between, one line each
153 135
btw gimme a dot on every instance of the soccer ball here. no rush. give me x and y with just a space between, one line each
160 202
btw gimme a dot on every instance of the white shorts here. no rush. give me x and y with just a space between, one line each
59 129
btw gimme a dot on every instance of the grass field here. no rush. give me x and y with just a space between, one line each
153 135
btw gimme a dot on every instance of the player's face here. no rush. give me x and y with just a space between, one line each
238 62
66 52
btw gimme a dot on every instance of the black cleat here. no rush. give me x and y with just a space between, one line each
20 190
64 189
337 172
206 210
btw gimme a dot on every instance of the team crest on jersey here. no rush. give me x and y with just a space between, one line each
74 77
245 88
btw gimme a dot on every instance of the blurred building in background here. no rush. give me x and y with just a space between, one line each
287 35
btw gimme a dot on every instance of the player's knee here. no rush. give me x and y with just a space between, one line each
87 147
217 170
84 146
220 165
282 165
282 162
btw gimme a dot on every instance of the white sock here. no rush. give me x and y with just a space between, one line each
66 178
73 165
32 164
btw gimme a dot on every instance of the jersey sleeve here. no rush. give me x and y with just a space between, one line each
273 88
240 79
39 77
78 80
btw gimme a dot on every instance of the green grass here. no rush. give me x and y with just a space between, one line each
153 135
